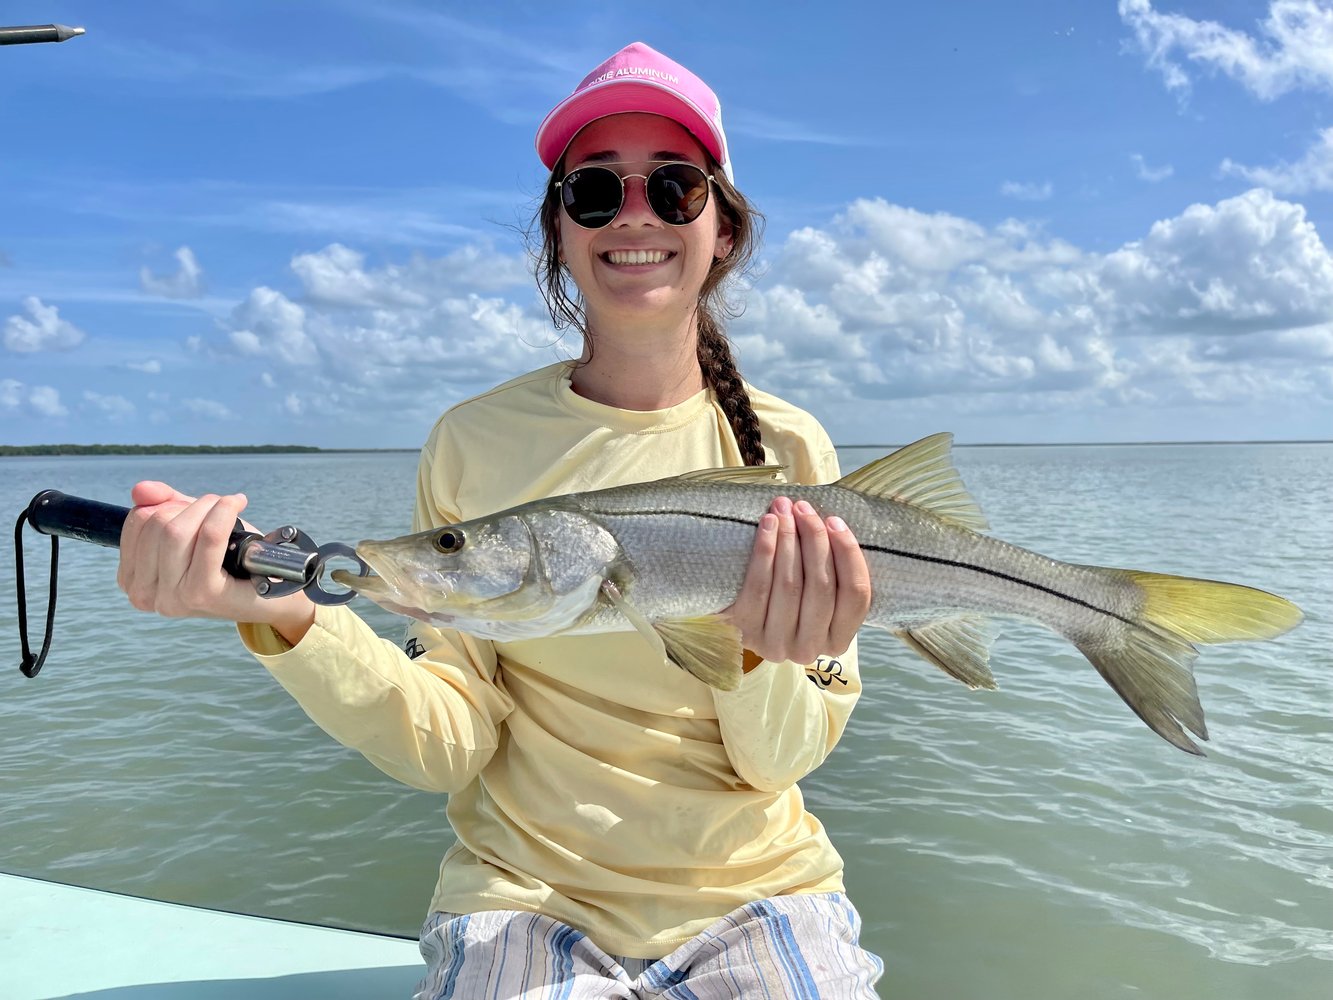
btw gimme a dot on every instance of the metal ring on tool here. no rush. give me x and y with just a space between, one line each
315 588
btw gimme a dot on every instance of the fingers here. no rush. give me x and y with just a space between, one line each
818 589
751 605
150 493
807 588
171 554
854 587
784 599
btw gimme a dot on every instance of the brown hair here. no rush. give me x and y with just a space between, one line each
565 302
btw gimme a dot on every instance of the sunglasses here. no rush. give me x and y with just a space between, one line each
594 195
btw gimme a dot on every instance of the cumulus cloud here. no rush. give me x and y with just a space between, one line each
269 325
889 303
1294 49
186 283
362 336
37 400
1312 172
883 302
41 330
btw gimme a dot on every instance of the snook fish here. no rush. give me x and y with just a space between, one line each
664 558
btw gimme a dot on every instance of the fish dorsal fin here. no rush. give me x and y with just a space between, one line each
921 474
958 646
739 474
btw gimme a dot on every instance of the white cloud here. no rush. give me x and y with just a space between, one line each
1150 174
1293 52
888 303
209 409
1027 190
269 325
378 338
882 303
186 283
45 402
1247 263
1312 172
109 407
38 400
150 367
45 331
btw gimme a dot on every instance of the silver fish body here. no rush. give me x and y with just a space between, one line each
665 558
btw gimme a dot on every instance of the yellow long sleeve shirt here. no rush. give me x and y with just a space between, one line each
587 780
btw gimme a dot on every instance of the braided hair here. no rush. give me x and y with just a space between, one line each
716 362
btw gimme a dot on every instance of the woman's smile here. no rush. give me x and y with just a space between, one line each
636 258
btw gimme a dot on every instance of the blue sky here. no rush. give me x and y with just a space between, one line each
243 222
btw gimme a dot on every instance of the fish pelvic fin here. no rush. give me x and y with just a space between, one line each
1149 663
921 474
958 646
708 647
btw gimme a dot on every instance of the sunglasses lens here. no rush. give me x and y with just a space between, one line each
592 196
677 192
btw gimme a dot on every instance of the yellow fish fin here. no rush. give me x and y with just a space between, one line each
1151 664
921 474
1211 611
750 474
708 647
958 646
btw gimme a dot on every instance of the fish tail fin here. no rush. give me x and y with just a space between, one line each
1149 660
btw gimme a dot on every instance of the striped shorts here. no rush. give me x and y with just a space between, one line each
799 947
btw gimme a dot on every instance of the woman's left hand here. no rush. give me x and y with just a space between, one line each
807 589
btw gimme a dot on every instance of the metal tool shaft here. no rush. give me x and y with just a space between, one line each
30 33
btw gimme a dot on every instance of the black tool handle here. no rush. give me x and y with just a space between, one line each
54 513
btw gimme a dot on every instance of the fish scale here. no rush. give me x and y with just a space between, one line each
666 558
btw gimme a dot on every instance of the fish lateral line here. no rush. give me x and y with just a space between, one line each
885 550
1000 575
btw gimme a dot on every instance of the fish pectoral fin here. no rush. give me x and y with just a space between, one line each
708 647
751 474
632 614
958 646
921 474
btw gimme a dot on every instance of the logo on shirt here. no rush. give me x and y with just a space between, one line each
413 648
825 670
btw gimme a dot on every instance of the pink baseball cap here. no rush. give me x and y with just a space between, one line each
637 78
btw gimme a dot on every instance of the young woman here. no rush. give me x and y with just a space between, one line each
622 829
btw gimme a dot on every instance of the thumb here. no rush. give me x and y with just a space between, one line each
150 493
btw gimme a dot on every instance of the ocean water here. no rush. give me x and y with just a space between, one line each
1033 842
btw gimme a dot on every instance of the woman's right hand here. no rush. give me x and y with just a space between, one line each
171 551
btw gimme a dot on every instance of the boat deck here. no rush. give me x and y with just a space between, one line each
65 941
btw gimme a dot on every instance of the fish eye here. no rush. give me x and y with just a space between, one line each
449 540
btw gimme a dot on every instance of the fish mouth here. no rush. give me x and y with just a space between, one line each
382 582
